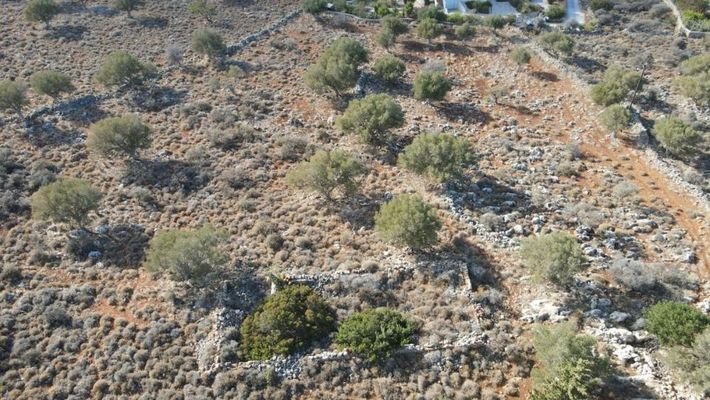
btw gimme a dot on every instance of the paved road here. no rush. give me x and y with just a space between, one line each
574 11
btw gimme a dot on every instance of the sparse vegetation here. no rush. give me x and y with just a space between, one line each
67 201
119 136
289 320
554 257
557 43
327 171
676 136
121 68
375 333
439 156
675 323
187 255
408 221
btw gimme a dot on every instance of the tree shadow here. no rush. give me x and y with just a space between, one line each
173 175
48 134
83 109
544 76
104 11
414 46
492 194
70 33
360 210
463 112
586 64
150 22
157 98
493 49
120 245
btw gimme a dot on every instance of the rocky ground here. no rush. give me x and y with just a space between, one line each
73 326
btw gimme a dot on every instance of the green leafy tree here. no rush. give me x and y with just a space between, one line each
337 68
13 96
41 11
439 156
313 6
428 28
187 255
521 56
51 83
557 43
327 171
677 137
287 321
203 9
675 323
375 333
554 257
119 136
465 32
431 12
372 117
616 85
431 86
67 201
595 5
121 68
393 24
408 221
615 117
496 22
389 68
208 42
128 5
569 366
692 365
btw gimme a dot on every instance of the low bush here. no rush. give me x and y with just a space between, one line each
601 5
428 28
119 136
521 56
285 322
675 323
695 79
554 257
555 12
41 11
558 43
465 31
203 9
439 156
692 365
634 274
676 136
431 12
326 172
13 96
431 86
389 68
375 333
615 117
230 139
616 85
66 201
408 221
372 117
208 42
187 255
483 7
121 68
313 6
51 83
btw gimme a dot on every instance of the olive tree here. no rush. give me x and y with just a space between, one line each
187 255
128 5
119 136
41 11
209 43
431 86
372 117
375 333
51 83
554 257
677 137
385 39
615 117
393 24
428 28
389 68
337 68
122 69
439 156
13 96
327 171
557 43
408 221
67 201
